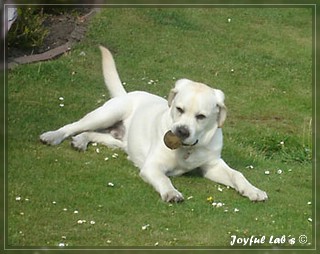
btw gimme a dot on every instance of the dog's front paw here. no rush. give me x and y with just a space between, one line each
172 196
254 194
52 137
80 142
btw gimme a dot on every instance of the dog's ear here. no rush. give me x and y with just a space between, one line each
180 84
171 96
222 108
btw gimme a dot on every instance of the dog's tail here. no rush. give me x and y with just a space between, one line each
110 74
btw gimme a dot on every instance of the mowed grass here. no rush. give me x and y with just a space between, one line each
261 59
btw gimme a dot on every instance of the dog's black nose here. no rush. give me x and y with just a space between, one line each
183 132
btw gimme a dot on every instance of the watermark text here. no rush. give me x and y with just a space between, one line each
273 240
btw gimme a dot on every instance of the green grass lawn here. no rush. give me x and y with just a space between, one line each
261 59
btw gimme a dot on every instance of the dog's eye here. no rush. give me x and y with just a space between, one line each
200 117
180 110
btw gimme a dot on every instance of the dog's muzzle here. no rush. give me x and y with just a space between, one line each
173 142
183 133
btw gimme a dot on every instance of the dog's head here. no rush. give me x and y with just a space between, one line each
197 110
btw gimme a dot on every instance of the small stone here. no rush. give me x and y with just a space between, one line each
92 222
144 227
309 219
110 184
191 197
61 98
236 210
76 212
229 20
279 171
309 203
219 204
267 172
18 198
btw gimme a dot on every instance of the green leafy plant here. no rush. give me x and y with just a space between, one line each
28 30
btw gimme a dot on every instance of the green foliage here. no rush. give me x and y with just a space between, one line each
28 30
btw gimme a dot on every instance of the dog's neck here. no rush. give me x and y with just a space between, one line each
186 151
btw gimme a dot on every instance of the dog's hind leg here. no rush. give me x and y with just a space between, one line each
110 113
81 141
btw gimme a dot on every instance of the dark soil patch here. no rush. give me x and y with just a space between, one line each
62 28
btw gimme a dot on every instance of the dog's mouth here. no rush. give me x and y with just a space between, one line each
190 145
173 142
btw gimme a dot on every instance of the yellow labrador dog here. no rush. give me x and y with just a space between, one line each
137 122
